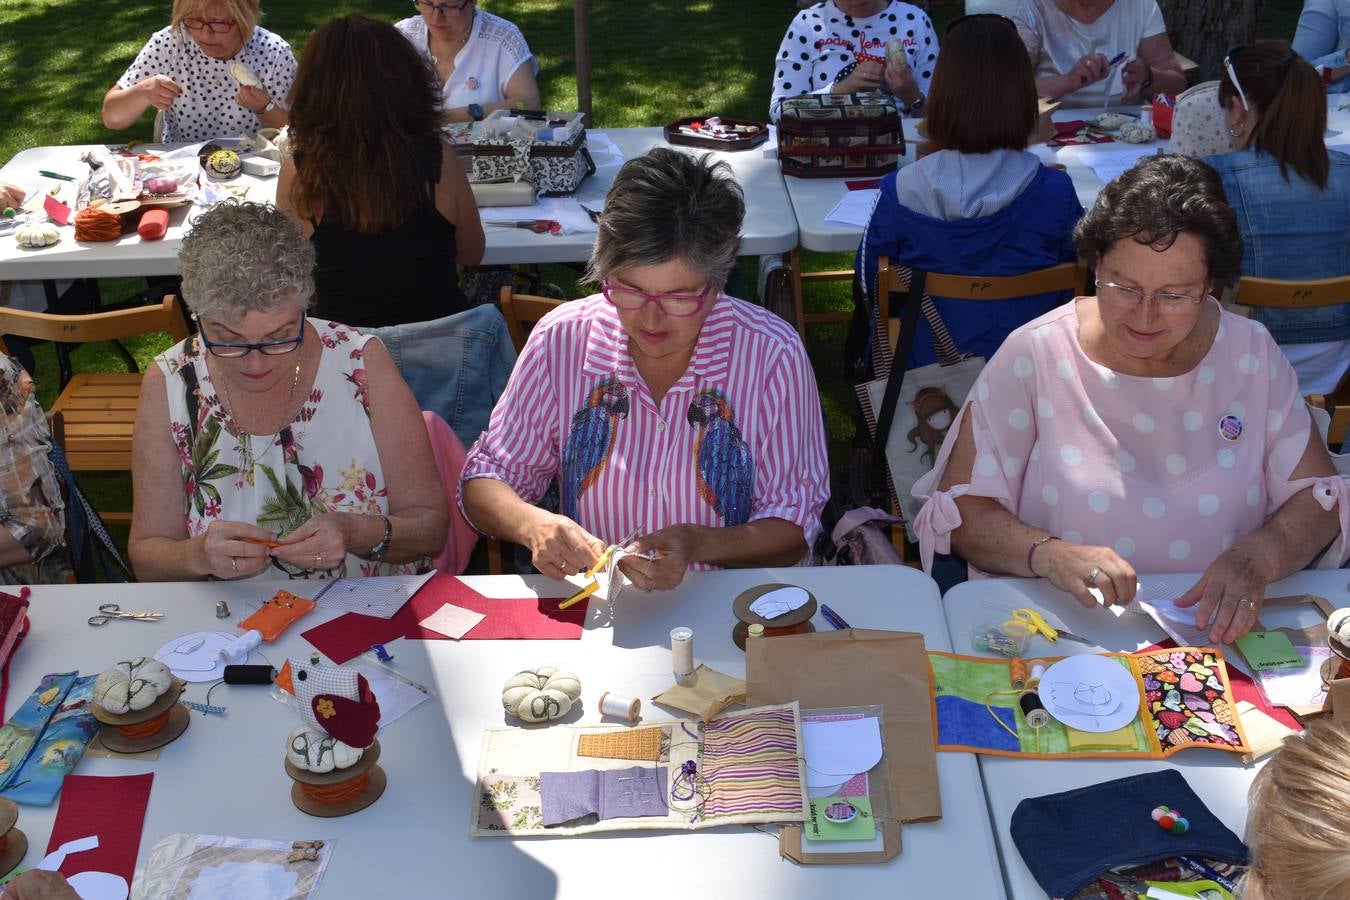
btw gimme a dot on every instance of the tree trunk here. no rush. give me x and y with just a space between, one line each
1205 31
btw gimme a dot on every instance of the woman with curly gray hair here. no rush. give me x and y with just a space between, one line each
664 408
272 439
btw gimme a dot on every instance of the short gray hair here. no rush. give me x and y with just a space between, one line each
240 257
670 205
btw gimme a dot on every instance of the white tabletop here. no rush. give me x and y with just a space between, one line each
769 223
1220 779
813 198
224 776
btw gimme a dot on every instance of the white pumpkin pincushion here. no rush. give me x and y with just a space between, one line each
33 235
540 695
132 684
315 751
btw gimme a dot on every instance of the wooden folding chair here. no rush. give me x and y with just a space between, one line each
521 311
99 410
1274 293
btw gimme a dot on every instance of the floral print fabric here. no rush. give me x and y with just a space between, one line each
325 460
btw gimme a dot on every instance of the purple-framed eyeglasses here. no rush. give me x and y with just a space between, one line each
672 304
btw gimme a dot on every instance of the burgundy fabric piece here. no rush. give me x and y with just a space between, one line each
352 634
112 808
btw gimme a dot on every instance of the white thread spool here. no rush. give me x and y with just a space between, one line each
682 653
237 650
1034 675
620 707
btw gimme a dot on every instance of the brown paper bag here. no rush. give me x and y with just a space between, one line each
706 694
858 667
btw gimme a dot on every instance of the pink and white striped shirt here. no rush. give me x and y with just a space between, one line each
739 437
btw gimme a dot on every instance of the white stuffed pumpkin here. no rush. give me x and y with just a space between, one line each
315 751
132 684
36 234
540 695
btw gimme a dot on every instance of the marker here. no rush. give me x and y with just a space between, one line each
47 174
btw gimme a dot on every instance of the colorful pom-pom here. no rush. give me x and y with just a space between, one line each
1159 812
1181 826
1167 821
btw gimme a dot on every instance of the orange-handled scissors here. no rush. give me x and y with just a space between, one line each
1028 621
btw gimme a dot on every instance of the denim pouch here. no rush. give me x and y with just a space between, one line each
1069 840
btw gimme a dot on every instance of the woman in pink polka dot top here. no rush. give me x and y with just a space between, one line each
1144 429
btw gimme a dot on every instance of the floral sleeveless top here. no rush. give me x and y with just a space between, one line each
323 461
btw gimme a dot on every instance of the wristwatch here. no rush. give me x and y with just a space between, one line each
271 105
476 112
379 550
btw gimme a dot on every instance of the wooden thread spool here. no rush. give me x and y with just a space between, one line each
340 792
13 842
620 707
798 621
160 723
1035 671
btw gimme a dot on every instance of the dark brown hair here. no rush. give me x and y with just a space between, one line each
365 116
983 95
1287 96
1158 199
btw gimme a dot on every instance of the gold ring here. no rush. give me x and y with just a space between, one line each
318 558
1247 599
234 564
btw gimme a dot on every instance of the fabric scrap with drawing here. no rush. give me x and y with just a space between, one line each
751 764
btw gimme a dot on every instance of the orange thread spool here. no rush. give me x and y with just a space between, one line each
147 728
334 794
1017 673
96 225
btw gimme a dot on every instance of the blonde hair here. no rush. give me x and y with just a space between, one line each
1298 826
247 14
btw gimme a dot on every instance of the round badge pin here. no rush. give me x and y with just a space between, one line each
841 812
1230 428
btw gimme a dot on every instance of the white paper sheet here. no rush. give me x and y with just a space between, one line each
1297 687
604 151
855 208
379 596
1090 693
838 750
1108 164
396 697
566 211
779 602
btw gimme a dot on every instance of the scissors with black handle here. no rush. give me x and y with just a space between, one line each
109 611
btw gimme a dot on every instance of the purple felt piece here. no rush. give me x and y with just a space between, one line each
569 795
631 793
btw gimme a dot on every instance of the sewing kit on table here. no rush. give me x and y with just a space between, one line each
716 133
743 767
546 149
1146 705
839 135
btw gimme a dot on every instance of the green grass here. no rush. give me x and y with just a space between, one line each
652 61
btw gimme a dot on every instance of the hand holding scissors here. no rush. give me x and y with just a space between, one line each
109 611
1028 621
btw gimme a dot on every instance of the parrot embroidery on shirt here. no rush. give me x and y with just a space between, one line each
590 440
725 469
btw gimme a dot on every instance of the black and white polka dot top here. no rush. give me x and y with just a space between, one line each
206 109
823 45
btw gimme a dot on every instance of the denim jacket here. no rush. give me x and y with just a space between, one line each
456 366
1291 230
1323 35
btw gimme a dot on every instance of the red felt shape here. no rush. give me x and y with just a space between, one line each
112 808
1246 689
59 212
351 721
527 618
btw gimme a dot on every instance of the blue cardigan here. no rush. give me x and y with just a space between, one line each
1032 232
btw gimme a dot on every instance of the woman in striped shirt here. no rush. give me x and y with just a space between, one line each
661 406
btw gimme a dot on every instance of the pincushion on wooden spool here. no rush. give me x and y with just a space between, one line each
13 842
138 730
340 792
798 621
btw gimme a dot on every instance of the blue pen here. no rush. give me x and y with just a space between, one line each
833 617
1200 868
1117 58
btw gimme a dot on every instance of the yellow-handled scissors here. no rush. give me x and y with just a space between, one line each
594 585
109 611
1028 621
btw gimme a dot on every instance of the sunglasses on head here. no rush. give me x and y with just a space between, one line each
1232 75
956 23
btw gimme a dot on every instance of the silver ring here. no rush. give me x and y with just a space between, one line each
1247 599
234 564
1092 576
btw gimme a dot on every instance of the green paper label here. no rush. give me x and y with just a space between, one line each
862 827
1270 650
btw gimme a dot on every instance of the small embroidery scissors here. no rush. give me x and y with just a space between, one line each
538 226
1028 621
109 611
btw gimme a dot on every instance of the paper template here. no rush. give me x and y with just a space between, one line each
779 602
854 208
196 657
837 751
452 621
1090 693
380 596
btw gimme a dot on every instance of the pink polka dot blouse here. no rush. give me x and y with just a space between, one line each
1169 472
